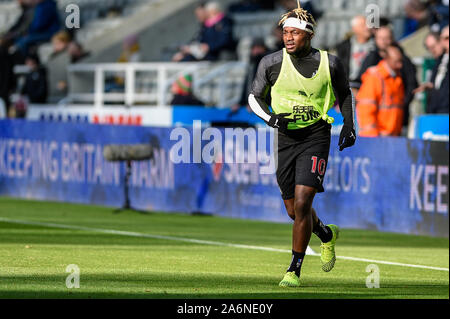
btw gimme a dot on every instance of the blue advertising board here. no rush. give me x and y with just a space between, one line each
386 184
185 115
432 127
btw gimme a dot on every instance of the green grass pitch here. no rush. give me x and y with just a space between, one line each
33 258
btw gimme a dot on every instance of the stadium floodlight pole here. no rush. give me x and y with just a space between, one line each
127 154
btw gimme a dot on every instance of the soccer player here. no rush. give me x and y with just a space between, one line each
304 83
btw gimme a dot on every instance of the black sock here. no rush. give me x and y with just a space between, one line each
296 263
323 232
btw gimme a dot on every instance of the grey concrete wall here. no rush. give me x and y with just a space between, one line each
160 25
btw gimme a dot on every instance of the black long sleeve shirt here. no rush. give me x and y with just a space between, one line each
269 69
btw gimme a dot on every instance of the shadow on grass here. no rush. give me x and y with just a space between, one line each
208 286
31 234
37 234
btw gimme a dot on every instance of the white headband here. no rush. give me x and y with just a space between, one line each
299 24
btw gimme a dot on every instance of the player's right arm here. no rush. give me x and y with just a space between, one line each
269 66
259 91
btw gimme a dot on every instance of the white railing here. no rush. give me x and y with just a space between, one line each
149 83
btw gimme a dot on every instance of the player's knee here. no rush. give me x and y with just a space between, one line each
291 214
302 207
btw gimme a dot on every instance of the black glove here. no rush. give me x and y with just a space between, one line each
280 121
347 137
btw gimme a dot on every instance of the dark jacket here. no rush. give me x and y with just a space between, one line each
46 18
22 24
438 100
343 51
35 87
219 37
7 78
409 77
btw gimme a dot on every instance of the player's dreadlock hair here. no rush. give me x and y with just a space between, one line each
298 13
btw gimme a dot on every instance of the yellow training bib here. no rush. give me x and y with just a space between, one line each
308 99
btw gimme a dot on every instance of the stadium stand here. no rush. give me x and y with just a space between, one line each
246 27
106 23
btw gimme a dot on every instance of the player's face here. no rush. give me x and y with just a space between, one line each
394 59
295 39
434 46
383 38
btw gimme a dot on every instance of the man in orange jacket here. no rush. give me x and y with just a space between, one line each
380 100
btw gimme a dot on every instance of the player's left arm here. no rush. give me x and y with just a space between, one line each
346 101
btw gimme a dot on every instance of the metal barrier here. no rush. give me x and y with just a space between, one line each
149 83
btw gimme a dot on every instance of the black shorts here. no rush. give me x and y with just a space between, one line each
303 157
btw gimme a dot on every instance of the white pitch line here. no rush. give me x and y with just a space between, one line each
204 242
143 235
391 263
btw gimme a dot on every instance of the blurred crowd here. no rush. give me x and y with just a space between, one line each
381 75
384 79
39 23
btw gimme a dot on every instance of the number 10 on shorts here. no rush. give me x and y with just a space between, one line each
318 164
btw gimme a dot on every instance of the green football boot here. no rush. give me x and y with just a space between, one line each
327 254
290 279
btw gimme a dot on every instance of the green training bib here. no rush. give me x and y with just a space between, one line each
308 99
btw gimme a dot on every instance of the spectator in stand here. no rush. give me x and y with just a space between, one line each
433 45
380 100
438 14
76 52
355 49
384 37
45 24
7 78
22 24
57 66
35 86
182 92
416 16
130 50
201 15
216 39
130 54
438 87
